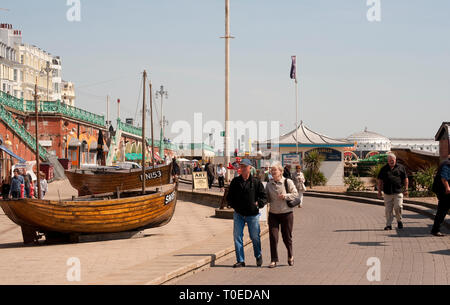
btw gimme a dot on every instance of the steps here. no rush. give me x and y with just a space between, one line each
20 131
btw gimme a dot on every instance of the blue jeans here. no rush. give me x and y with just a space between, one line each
238 234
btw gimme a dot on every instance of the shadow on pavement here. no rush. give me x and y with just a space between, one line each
369 243
441 252
359 230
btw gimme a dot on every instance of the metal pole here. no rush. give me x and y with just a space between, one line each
151 122
107 110
161 148
38 163
296 114
227 83
144 110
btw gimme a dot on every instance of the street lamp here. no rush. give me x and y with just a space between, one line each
47 71
161 94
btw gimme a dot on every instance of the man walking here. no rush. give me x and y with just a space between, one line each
209 167
393 181
246 195
442 189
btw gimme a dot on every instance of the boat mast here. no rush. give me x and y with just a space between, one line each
144 146
38 162
151 122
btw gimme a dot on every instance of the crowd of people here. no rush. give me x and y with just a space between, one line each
247 195
21 185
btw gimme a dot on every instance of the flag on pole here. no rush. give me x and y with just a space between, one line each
294 68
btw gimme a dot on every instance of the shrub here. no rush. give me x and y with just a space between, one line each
423 180
354 184
316 179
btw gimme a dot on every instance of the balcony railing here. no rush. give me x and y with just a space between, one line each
129 128
55 107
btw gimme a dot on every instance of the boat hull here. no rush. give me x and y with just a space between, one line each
87 182
93 216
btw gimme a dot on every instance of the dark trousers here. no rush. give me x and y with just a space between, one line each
442 210
15 194
210 181
286 221
221 181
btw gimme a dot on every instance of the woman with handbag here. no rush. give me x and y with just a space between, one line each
299 181
280 191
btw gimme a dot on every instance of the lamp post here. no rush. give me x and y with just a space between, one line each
161 94
47 71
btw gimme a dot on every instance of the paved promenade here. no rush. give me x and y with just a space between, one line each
333 240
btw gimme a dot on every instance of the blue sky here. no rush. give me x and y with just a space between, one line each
392 76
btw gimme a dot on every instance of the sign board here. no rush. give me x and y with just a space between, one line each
291 159
328 153
200 180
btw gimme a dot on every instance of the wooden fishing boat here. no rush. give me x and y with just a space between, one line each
91 182
95 214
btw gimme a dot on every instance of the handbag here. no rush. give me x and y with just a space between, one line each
291 203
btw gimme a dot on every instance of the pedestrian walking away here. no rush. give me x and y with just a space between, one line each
280 189
299 181
287 172
209 167
393 181
442 189
246 196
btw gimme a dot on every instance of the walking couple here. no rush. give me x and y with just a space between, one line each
246 196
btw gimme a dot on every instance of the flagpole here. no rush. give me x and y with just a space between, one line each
296 113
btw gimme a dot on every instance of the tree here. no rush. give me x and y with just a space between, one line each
313 161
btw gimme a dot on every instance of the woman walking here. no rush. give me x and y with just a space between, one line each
299 181
280 189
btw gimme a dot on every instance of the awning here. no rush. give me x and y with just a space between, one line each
74 142
6 150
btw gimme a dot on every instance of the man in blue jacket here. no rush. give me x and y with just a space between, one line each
246 196
16 181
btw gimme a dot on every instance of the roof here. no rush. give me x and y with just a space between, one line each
444 129
367 136
309 138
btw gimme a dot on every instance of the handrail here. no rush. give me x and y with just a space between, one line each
6 116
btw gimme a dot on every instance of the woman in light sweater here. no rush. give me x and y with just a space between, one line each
280 189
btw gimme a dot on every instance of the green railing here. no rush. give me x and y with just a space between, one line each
60 108
11 101
129 128
6 116
51 107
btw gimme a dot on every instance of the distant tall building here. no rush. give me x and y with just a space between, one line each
21 64
10 68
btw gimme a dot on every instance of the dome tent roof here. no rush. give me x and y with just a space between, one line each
368 136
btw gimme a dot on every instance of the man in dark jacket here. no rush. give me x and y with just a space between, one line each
246 196
393 181
209 167
443 193
16 182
